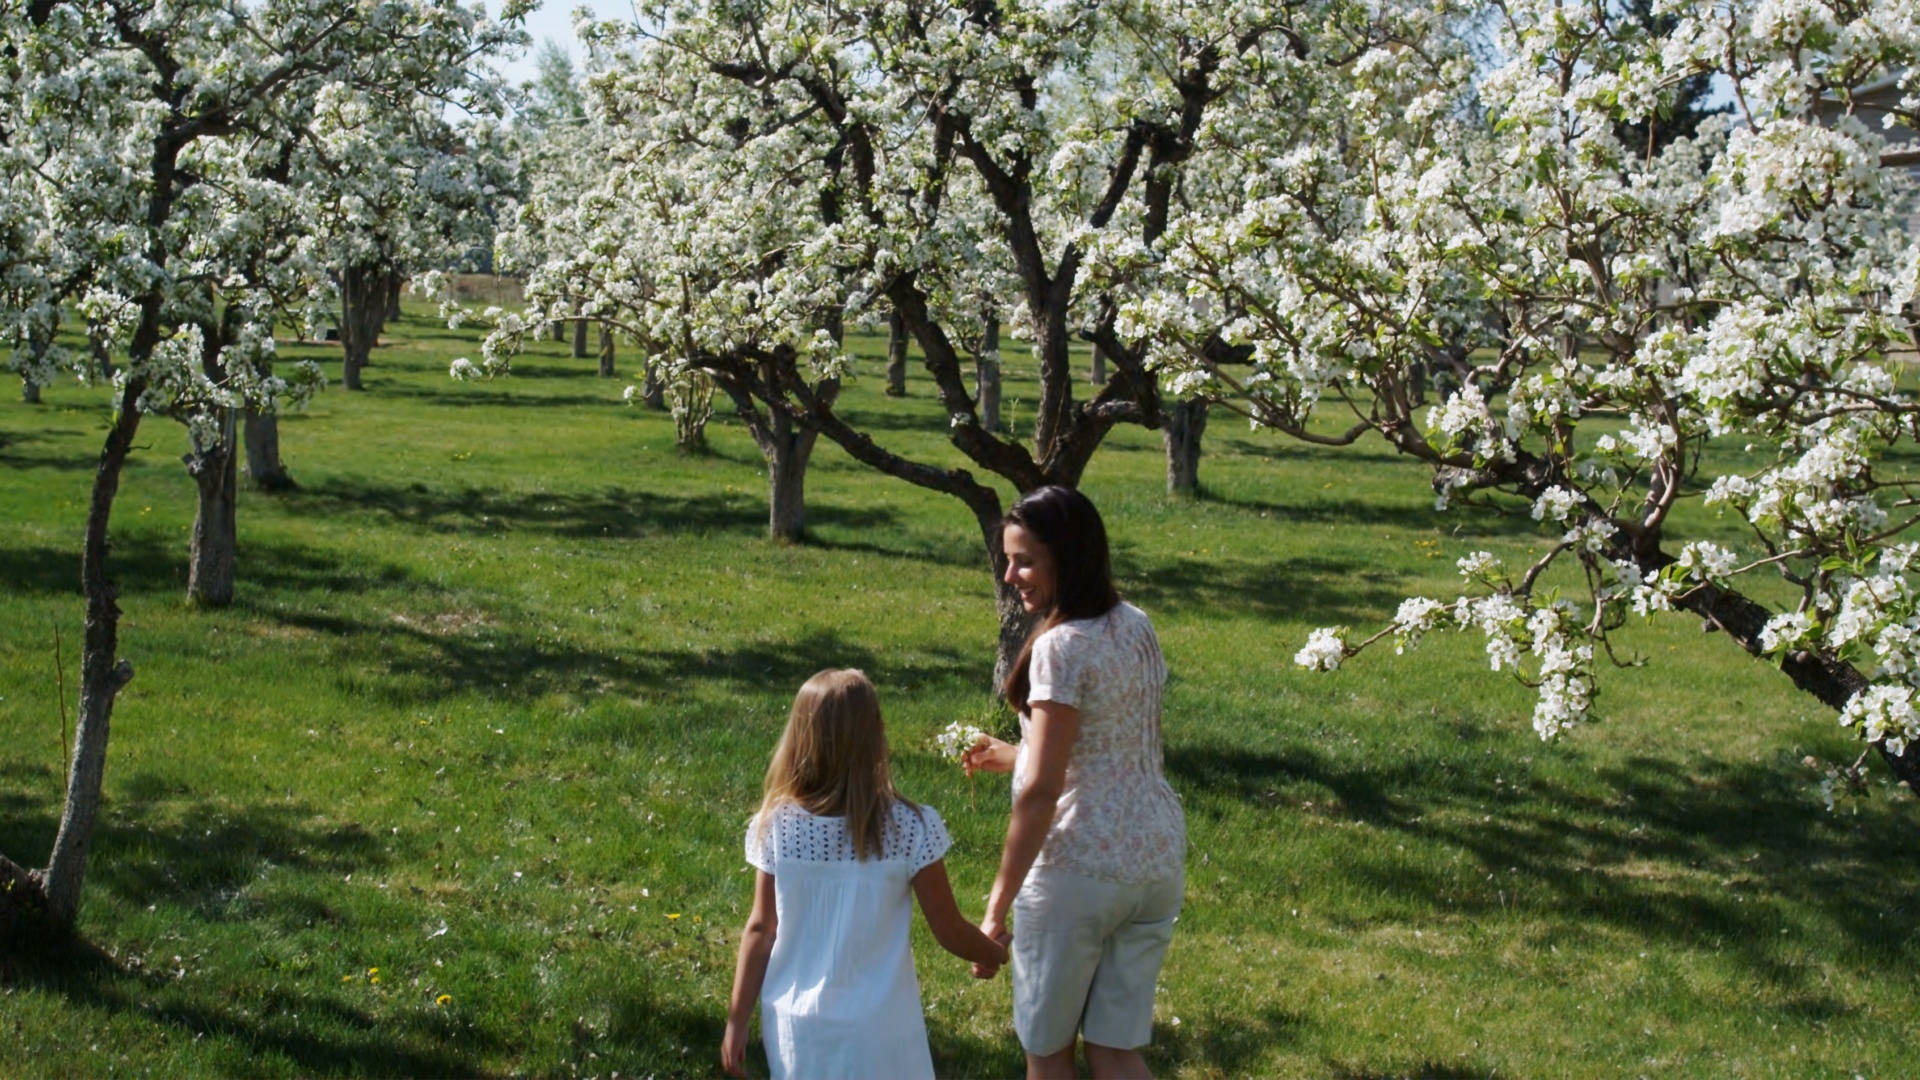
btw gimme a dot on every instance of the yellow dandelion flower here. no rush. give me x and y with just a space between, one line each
673 915
375 980
373 971
443 999
346 978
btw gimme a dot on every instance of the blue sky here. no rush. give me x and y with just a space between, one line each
554 20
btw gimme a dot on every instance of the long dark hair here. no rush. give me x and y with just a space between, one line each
1069 526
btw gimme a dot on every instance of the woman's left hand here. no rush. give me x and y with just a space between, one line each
988 755
996 930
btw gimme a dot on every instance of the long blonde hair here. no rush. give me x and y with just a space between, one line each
832 759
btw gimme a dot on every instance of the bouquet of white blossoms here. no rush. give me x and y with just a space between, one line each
954 741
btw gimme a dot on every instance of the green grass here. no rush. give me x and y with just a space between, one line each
504 673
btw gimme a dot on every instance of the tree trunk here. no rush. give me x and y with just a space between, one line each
56 890
896 355
692 407
788 448
396 285
102 356
215 472
606 350
362 305
1184 421
653 390
986 377
30 392
580 339
262 437
558 327
1098 376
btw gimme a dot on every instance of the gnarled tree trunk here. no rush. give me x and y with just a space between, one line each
1098 375
580 339
787 447
54 893
30 392
396 285
262 440
363 306
1183 422
606 350
215 472
896 355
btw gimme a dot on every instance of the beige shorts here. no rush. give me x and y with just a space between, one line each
1086 956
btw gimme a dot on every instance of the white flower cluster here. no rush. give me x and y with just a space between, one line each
1556 504
1884 713
1416 616
1324 650
954 740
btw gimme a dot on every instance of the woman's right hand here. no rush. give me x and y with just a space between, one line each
988 755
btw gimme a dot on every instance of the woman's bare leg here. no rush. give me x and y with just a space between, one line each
1055 1066
1106 1063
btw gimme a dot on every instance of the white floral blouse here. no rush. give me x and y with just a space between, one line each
1118 820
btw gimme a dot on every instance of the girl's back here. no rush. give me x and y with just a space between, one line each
840 996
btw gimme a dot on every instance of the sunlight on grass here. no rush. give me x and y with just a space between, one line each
458 784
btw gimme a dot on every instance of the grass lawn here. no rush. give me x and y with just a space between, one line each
457 786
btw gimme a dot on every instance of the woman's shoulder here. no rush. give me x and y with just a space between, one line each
1122 616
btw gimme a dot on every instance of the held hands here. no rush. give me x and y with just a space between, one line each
988 755
996 931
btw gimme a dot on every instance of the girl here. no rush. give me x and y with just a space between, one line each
836 851
1092 871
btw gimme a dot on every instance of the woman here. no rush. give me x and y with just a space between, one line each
1092 871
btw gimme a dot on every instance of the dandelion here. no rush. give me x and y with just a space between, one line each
673 915
443 999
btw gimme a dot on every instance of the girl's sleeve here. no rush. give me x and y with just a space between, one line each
1056 667
934 840
761 843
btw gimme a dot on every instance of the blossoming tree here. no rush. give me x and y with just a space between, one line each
1631 322
787 168
132 133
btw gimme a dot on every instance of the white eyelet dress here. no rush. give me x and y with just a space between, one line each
840 997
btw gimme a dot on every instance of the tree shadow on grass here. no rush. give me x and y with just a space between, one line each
1224 1045
149 850
138 563
13 454
1690 852
144 564
1317 589
611 511
497 395
337 1039
417 662
1463 523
